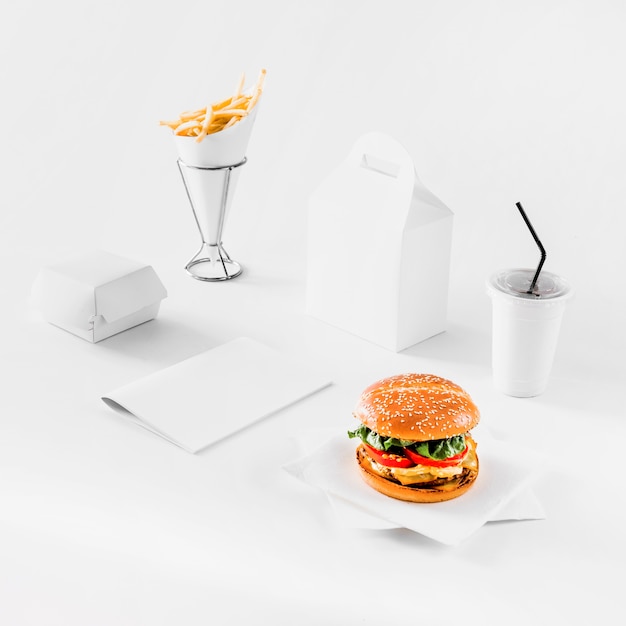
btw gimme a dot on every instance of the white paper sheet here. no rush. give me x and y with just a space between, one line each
524 506
208 397
502 491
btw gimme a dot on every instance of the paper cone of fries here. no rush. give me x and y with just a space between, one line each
211 145
222 149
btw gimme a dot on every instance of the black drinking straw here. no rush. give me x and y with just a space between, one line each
541 248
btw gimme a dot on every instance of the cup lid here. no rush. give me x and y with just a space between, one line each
516 282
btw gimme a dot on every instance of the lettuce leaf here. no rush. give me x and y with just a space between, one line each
368 436
438 449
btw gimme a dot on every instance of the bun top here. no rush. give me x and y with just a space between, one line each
419 407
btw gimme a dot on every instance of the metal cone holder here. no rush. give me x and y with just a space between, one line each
210 191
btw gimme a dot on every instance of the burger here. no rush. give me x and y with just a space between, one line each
415 441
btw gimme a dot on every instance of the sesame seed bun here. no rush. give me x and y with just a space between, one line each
419 407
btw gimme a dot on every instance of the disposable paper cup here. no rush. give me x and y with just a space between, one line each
525 329
222 149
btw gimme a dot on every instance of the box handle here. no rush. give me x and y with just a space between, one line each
381 166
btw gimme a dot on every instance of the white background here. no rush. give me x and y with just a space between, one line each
497 102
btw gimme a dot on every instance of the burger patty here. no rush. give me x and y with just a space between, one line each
424 476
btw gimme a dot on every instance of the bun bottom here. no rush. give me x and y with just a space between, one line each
414 494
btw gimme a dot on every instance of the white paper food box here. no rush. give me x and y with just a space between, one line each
98 294
379 243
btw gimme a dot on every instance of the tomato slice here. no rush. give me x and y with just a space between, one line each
418 459
387 458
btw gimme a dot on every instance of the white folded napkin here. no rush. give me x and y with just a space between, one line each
212 395
501 492
523 506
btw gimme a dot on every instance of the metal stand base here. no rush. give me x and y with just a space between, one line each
212 263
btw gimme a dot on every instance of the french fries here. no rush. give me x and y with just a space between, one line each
219 115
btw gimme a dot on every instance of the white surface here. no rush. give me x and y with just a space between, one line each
203 399
103 523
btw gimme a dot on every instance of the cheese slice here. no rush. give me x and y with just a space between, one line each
427 473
